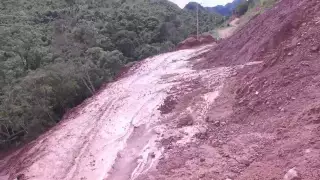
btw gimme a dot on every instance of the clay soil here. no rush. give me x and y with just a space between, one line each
267 119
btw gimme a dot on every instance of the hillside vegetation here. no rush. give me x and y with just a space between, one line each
56 53
256 5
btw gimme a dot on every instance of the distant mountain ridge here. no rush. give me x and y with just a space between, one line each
220 9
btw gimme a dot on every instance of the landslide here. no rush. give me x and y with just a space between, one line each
56 54
279 100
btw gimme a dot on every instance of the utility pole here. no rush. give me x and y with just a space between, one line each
197 21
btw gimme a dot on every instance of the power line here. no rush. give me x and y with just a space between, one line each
197 21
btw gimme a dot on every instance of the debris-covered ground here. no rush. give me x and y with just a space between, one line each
247 108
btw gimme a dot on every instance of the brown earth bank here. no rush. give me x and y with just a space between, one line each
266 123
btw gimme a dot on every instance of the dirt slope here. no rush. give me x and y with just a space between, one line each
278 102
265 125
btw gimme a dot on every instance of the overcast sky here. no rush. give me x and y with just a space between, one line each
206 3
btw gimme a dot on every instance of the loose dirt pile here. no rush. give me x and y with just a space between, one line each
275 121
193 41
265 124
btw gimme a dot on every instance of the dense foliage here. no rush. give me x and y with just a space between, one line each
243 7
56 53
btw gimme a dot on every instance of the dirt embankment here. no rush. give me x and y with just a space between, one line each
276 105
265 123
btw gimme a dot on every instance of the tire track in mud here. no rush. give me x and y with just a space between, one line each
91 135
123 168
88 142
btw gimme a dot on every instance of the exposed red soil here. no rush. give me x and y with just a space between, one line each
267 119
281 97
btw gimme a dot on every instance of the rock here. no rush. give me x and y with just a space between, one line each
305 63
202 135
21 177
315 48
217 123
152 155
252 124
208 119
185 121
290 54
292 174
202 175
223 123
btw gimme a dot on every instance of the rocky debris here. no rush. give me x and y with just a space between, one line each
208 120
292 174
152 155
194 41
21 177
202 135
168 105
185 121
315 48
169 141
217 123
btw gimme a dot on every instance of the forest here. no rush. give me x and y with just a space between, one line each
56 53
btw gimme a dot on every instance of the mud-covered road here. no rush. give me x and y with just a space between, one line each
123 131
116 134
